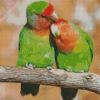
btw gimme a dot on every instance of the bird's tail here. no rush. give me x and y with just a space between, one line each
68 93
29 88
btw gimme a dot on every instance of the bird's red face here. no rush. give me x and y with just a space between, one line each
42 23
40 15
46 18
64 36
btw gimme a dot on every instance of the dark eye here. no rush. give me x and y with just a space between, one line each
43 16
62 23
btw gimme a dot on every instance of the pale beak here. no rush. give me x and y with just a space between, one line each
55 30
54 17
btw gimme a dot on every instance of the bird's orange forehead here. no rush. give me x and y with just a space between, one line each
60 21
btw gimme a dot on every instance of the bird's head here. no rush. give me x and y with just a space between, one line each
65 36
40 14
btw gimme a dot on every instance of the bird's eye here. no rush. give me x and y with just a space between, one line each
43 16
62 23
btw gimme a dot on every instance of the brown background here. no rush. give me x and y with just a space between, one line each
84 13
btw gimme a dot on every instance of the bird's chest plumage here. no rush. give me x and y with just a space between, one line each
36 49
35 44
77 60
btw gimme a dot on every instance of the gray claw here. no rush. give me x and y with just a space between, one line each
68 70
30 66
34 66
49 67
82 71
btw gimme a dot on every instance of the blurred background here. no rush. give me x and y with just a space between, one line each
84 13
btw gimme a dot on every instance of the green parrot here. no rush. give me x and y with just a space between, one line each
73 51
35 48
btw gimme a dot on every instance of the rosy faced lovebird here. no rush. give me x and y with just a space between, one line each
34 42
73 51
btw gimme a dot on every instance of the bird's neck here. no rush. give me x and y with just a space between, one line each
42 33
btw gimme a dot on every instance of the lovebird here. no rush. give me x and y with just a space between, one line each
35 49
73 51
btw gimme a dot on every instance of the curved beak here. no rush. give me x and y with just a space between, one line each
55 30
54 17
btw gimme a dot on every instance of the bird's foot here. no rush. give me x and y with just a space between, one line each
68 70
49 67
30 66
82 71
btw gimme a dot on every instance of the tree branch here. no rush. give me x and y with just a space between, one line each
54 77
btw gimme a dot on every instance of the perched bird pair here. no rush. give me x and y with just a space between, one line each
46 37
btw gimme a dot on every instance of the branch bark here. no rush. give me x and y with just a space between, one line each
54 77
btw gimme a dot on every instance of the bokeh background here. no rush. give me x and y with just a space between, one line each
84 13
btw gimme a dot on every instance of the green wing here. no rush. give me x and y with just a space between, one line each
21 34
84 36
